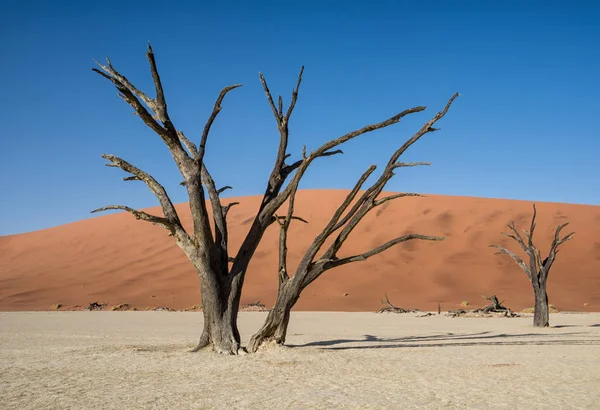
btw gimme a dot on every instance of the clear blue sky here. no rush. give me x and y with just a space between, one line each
524 126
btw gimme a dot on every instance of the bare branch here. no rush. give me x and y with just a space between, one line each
428 127
280 106
270 99
381 248
132 178
216 109
531 229
141 215
294 96
221 190
219 216
284 224
188 144
332 225
110 73
368 200
134 97
279 219
157 189
325 150
227 207
391 197
517 237
130 98
556 242
288 169
159 106
410 164
522 265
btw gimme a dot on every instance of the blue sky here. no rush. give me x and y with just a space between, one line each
523 128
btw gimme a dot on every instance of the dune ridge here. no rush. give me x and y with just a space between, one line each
116 259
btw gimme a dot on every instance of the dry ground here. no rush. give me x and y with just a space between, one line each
138 360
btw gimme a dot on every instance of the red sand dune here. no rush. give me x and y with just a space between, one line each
116 259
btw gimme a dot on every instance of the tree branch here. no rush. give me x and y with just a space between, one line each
410 164
294 96
221 190
383 200
134 97
366 255
284 224
325 150
110 73
227 207
556 242
522 265
159 105
278 117
288 169
216 109
332 225
428 127
144 216
157 189
188 144
219 217
517 237
280 219
368 200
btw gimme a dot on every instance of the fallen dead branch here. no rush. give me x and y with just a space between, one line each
255 307
95 306
496 308
394 309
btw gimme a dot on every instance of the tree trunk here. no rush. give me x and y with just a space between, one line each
540 315
220 330
275 327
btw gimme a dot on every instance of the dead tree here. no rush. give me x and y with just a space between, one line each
221 276
345 219
537 270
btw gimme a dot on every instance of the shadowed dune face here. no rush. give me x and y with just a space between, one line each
116 259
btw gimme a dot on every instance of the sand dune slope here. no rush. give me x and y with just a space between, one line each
116 259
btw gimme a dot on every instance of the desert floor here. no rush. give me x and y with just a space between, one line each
139 360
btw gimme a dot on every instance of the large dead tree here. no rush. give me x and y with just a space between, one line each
344 220
537 270
221 275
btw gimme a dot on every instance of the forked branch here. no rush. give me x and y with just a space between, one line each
216 110
157 189
141 215
375 251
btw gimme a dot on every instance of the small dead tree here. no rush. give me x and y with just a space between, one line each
221 276
343 223
389 308
537 270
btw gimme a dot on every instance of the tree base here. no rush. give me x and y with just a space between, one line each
222 341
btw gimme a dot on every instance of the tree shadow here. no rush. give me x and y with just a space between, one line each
562 326
452 339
